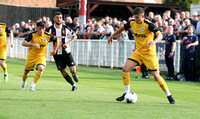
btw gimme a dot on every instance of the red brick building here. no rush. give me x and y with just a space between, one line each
31 3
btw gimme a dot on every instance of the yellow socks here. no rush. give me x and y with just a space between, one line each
37 76
126 81
161 82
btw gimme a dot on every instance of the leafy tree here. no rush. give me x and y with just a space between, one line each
185 3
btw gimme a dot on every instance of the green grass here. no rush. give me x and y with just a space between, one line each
95 97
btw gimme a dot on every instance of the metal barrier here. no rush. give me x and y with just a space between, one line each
98 53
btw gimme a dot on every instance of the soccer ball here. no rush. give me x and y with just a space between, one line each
131 97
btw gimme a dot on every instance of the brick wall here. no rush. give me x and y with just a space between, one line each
31 3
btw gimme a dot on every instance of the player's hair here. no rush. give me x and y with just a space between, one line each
41 24
57 13
138 11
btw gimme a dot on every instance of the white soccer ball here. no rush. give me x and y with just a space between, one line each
131 97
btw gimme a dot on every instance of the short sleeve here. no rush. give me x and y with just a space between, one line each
53 38
29 37
153 28
127 25
173 38
196 38
7 30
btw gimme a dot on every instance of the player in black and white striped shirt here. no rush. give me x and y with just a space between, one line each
63 56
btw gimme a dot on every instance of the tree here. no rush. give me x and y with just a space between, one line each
185 3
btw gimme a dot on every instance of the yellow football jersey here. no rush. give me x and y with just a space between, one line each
42 41
143 33
3 34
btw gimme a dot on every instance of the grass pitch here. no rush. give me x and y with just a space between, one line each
95 97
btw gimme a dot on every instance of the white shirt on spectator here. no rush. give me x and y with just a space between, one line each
100 29
110 29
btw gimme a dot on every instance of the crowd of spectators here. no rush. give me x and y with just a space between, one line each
101 29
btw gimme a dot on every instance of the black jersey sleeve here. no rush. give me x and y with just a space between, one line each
53 38
47 30
7 30
153 28
127 25
29 37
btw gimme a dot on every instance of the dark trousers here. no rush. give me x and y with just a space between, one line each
144 70
187 65
170 65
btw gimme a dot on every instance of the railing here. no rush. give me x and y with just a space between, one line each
98 53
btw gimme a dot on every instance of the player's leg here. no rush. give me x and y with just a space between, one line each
73 72
24 77
72 66
4 67
161 82
40 69
153 65
61 62
126 77
68 79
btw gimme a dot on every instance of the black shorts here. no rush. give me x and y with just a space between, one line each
63 60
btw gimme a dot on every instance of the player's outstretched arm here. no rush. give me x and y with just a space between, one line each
110 39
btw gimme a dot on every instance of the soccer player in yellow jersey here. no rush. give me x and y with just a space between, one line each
4 48
37 42
144 31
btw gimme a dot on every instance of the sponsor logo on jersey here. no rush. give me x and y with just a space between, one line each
35 39
42 45
0 30
140 35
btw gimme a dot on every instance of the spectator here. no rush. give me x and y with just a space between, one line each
175 27
184 31
30 23
70 23
22 25
169 52
177 19
160 26
164 17
151 17
182 16
111 22
17 30
123 36
189 42
108 31
168 13
198 25
44 19
165 28
107 18
26 31
195 20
